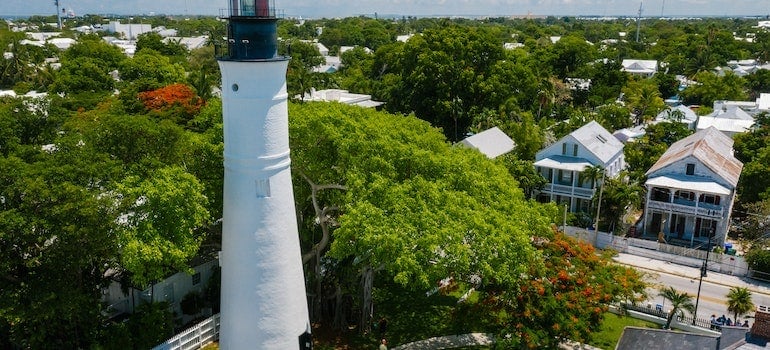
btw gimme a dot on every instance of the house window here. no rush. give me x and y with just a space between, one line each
660 194
263 188
574 150
196 278
564 149
684 195
704 227
710 199
690 169
565 177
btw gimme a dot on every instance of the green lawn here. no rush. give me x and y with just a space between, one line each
612 328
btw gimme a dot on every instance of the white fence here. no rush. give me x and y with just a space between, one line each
195 337
722 263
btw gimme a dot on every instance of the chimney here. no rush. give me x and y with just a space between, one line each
761 326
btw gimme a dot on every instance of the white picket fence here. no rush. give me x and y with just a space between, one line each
722 263
195 337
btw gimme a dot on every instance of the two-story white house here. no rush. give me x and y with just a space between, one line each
564 162
691 190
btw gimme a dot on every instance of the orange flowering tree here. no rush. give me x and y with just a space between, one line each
178 102
565 298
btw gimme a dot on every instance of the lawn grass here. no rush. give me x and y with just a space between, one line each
612 328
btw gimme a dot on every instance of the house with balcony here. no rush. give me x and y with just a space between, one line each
691 190
563 165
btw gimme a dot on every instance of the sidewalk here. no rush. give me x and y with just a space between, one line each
660 266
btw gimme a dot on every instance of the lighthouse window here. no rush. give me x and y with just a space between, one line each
235 87
263 188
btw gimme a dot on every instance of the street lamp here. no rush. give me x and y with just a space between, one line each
703 272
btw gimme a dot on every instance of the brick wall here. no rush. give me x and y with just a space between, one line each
761 325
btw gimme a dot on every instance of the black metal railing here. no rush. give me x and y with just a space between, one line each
658 312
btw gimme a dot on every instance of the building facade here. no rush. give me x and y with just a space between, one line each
691 190
564 163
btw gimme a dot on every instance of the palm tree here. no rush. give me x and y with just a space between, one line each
680 302
739 301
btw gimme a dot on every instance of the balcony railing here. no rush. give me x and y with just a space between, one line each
586 193
686 209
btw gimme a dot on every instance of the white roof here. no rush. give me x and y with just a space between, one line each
511 46
491 142
688 114
563 162
190 43
62 43
688 183
640 66
630 134
763 102
404 38
322 48
725 124
342 96
731 112
598 141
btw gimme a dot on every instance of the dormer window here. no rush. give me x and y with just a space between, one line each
690 169
565 149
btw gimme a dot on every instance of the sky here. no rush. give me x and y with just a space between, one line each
346 8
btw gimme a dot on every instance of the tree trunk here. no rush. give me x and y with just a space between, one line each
367 307
340 318
670 318
317 299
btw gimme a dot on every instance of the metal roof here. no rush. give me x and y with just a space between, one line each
725 124
711 147
691 183
563 162
491 142
688 114
598 141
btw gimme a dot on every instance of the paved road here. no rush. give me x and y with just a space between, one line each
683 278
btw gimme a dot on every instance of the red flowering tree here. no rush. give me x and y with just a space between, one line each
178 102
564 299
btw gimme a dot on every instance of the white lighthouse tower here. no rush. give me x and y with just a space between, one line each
263 303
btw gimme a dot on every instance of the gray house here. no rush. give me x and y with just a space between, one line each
691 189
562 165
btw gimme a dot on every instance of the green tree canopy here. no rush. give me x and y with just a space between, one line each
159 217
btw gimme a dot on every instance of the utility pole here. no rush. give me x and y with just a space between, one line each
598 208
58 13
564 226
662 8
639 21
703 272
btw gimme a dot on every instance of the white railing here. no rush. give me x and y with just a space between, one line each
587 193
685 209
195 337
722 263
